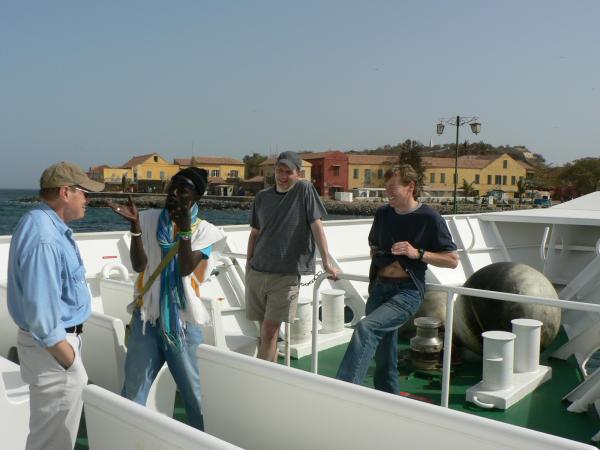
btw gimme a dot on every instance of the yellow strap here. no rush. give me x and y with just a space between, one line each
165 261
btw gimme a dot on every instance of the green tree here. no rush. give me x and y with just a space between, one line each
521 189
410 153
582 174
467 188
252 163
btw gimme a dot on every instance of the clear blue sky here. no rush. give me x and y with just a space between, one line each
99 82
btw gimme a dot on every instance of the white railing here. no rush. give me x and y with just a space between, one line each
452 293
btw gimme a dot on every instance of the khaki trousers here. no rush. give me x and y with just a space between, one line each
55 394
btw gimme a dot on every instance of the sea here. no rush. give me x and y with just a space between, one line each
14 203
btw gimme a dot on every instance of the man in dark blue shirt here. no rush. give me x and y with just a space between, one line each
404 238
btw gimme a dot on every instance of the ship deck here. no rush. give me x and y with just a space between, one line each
541 411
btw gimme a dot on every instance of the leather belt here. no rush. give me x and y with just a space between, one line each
77 329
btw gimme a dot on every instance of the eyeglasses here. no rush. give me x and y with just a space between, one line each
85 193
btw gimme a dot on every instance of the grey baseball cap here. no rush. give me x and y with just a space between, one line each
68 174
290 159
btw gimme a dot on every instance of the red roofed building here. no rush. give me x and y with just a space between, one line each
329 171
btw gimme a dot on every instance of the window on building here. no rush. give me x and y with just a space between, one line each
149 174
513 180
432 177
504 179
302 174
380 173
476 178
233 174
498 179
368 175
505 164
489 179
155 158
262 172
336 171
442 178
162 175
356 174
215 173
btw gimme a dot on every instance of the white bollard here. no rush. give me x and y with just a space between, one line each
332 301
300 329
498 356
527 344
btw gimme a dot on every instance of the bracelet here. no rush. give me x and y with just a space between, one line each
185 235
132 234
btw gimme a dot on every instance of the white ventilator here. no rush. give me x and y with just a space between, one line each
300 329
511 368
527 345
498 358
333 310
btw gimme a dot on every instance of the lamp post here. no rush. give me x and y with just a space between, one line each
457 122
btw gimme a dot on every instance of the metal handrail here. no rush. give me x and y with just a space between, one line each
543 253
315 311
452 294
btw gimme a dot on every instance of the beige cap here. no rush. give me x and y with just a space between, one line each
68 174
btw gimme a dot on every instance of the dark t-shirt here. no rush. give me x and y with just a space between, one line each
422 228
285 243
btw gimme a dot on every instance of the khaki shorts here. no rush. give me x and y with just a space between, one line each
272 296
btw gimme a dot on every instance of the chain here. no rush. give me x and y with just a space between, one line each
317 275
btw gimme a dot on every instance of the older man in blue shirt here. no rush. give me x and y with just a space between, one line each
49 300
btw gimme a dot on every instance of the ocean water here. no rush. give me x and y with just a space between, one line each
103 219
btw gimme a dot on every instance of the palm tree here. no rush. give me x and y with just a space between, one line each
467 188
521 189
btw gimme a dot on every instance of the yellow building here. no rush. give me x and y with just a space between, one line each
366 171
114 178
267 170
219 167
151 172
484 173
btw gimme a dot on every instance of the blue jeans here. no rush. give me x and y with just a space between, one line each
146 354
389 306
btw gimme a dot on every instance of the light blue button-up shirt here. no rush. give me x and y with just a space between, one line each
47 291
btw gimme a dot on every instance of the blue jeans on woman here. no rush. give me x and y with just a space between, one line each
146 354
389 306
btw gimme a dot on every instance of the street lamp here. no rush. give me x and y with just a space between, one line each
458 122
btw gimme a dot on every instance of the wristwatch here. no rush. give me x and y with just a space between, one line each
421 253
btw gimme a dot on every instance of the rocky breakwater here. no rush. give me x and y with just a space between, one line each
144 201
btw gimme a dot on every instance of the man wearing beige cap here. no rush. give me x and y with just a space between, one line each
49 300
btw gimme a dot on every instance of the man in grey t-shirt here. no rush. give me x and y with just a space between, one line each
285 223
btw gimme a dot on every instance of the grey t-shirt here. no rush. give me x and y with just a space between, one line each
285 243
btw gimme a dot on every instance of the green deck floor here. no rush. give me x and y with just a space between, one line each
542 410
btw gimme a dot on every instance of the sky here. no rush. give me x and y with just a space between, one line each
99 82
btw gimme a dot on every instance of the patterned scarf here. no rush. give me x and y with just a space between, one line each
172 295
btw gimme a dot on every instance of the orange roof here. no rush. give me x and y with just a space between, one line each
318 155
465 161
526 165
372 159
138 160
208 160
95 168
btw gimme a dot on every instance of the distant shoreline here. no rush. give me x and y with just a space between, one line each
356 208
